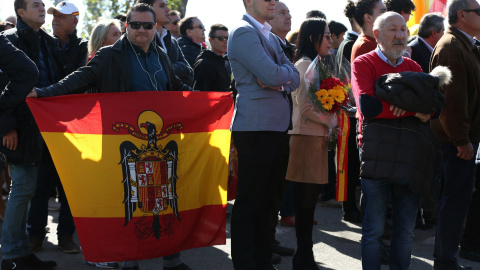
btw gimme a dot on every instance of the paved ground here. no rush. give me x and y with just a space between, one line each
337 246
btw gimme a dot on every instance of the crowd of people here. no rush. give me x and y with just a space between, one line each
413 111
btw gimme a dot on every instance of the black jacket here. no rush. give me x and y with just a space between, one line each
345 48
30 142
211 72
75 54
288 49
421 54
180 64
404 150
190 49
108 71
17 77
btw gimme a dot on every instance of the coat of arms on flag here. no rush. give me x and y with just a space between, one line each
149 175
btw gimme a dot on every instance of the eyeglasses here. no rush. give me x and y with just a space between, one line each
201 27
276 1
175 22
477 10
137 25
410 14
222 38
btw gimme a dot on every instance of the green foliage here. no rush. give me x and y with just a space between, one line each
100 9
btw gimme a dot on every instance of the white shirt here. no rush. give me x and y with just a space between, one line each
428 45
472 40
263 28
384 58
162 36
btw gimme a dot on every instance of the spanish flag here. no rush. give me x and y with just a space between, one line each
145 173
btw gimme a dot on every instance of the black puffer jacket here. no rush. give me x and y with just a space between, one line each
404 150
411 91
30 142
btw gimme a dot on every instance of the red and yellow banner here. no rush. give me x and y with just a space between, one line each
145 173
342 156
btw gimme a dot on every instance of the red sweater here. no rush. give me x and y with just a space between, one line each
364 44
366 69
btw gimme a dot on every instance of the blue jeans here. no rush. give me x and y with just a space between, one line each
405 206
459 176
14 236
47 178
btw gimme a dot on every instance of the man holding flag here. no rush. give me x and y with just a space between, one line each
133 63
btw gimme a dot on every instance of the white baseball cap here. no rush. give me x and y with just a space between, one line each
65 7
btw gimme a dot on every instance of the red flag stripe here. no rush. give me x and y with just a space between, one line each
200 227
107 109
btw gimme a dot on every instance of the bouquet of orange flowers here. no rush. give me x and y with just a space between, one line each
326 92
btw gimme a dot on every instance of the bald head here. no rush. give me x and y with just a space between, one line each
386 18
390 31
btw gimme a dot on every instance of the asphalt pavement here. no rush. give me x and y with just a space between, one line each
336 247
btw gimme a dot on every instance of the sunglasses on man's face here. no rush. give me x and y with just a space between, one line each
276 1
477 10
222 38
146 25
175 22
201 27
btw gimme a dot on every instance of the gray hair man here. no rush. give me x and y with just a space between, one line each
390 32
429 33
458 126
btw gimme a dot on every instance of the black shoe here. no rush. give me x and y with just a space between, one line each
27 262
66 244
353 216
15 264
178 267
304 261
281 250
276 259
35 263
130 268
459 267
470 254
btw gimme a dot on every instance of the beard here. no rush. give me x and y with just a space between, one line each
392 51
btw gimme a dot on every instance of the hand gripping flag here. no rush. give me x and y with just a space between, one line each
145 173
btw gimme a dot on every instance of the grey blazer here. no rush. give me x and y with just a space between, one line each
253 56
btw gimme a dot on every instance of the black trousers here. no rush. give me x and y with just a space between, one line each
259 171
353 168
471 232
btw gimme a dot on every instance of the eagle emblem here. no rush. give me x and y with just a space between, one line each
149 174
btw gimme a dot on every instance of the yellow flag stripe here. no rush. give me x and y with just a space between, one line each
91 173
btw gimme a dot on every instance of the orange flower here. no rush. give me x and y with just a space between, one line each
327 103
338 95
321 94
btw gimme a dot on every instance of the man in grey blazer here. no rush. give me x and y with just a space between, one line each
263 77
